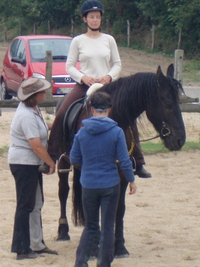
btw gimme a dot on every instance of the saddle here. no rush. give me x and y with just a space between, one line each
70 120
72 114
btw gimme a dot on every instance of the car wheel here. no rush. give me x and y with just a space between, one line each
3 92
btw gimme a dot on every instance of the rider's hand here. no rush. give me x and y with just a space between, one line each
88 80
104 80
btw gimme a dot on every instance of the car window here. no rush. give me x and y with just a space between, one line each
13 48
37 50
58 47
21 51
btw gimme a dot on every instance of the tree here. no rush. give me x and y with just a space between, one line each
155 10
6 12
184 16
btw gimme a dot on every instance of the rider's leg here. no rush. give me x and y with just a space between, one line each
138 156
56 135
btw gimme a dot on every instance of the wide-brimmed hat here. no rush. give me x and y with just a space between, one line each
32 86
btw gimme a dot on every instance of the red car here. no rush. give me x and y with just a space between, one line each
26 57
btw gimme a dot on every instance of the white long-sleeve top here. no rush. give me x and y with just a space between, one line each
98 57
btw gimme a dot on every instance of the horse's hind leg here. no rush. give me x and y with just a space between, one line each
63 192
120 249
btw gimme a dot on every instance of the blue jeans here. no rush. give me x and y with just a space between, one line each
93 200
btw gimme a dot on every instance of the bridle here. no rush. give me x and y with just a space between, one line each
164 132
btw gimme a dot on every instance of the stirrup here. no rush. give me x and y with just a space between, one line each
66 158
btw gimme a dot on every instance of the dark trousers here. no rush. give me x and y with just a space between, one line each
137 152
26 180
105 199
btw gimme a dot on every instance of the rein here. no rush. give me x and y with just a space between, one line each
165 131
149 139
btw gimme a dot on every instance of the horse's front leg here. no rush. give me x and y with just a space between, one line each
63 191
120 249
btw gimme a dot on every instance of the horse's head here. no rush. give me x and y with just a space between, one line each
164 112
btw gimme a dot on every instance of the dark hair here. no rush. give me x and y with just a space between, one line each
31 101
100 100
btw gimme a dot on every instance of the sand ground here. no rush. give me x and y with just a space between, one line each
162 219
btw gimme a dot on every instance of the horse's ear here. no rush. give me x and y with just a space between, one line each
161 79
170 71
163 84
160 75
159 71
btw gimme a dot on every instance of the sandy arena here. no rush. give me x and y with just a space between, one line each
161 221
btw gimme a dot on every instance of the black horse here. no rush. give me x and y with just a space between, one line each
156 94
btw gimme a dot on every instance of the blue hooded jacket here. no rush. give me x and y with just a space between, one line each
97 146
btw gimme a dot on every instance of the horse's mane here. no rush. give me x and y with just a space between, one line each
144 92
135 91
128 92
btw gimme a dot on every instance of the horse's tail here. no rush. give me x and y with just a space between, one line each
77 213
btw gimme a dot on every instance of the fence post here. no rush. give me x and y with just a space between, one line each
48 77
128 33
178 65
153 37
72 27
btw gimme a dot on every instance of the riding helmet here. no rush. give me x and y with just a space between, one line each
91 5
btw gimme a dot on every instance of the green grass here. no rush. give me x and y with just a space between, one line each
3 150
147 147
153 148
47 118
191 71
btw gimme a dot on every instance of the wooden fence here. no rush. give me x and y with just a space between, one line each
187 104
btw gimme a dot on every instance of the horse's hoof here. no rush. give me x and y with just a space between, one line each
121 251
63 234
62 237
63 231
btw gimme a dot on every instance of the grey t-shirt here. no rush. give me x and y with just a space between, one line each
26 124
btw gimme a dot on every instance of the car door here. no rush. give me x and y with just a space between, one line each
17 63
8 64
